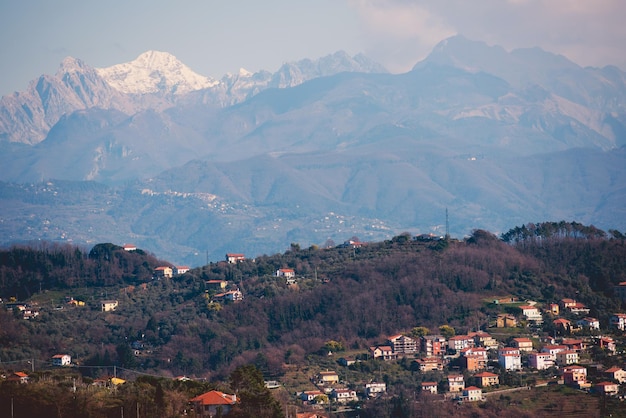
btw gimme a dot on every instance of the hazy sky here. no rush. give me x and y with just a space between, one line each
214 37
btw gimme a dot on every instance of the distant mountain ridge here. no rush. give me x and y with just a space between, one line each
319 150
155 80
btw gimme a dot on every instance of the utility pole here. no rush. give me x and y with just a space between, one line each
447 226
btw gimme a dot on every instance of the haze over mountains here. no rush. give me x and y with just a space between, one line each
188 166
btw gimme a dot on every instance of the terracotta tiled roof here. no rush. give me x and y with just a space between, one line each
486 374
215 397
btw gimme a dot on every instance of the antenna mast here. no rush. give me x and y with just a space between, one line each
447 225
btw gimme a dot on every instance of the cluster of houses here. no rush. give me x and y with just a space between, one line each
476 353
330 389
26 310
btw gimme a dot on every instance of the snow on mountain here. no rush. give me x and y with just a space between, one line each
154 72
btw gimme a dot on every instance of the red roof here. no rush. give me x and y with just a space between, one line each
613 369
215 397
607 384
486 374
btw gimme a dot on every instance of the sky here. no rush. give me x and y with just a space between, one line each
214 37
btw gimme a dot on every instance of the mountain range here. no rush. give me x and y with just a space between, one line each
190 167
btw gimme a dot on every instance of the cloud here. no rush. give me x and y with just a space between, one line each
401 32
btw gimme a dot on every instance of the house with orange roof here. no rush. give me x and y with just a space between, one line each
567 303
522 344
472 394
429 387
608 344
606 388
234 258
574 344
575 376
287 273
616 373
588 322
211 403
485 379
459 342
61 360
382 352
18 377
562 324
130 247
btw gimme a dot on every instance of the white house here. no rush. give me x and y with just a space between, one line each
344 395
531 313
310 395
541 361
509 358
61 360
234 258
181 270
375 389
472 394
588 322
618 321
287 273
429 387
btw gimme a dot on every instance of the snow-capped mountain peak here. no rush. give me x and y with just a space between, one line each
153 72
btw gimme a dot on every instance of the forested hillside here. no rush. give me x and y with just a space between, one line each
355 296
342 298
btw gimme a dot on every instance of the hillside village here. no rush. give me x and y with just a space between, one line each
525 345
